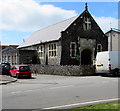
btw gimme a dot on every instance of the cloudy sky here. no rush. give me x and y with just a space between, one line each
19 18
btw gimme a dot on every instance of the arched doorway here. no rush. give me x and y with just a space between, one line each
86 56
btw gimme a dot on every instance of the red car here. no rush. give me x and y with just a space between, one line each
20 71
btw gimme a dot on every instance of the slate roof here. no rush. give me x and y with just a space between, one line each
47 34
9 50
4 46
113 30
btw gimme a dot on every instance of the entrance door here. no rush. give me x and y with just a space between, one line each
86 56
46 60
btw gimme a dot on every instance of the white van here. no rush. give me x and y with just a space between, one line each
108 62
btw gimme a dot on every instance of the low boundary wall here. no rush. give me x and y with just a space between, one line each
63 70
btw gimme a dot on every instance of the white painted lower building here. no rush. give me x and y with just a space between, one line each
113 40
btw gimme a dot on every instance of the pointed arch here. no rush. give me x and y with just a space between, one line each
86 57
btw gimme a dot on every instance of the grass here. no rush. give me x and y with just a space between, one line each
113 106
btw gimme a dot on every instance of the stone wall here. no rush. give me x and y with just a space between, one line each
63 70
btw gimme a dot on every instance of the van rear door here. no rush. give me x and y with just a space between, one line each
102 62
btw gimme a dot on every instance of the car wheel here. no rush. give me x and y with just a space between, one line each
116 72
29 77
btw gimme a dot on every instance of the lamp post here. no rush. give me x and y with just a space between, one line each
0 58
111 40
0 53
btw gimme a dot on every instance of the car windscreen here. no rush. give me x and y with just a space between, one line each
6 66
24 68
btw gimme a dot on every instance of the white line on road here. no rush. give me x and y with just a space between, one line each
85 103
61 87
18 92
31 90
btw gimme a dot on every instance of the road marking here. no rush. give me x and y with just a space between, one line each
85 103
16 92
61 87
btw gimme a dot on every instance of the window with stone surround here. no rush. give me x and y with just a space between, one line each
40 51
52 50
72 49
87 24
99 47
9 59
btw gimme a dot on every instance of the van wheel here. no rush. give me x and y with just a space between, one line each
116 72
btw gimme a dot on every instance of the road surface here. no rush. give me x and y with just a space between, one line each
48 91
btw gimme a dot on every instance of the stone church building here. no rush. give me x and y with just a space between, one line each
74 41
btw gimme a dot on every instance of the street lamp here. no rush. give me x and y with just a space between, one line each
111 40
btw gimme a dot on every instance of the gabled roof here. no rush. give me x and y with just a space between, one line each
9 50
113 30
4 46
50 33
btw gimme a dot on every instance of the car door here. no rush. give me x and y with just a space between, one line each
13 71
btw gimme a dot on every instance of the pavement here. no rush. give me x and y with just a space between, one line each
4 79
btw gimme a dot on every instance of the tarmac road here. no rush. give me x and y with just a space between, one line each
50 92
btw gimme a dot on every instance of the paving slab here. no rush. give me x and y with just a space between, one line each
4 79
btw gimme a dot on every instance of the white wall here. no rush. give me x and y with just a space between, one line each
115 41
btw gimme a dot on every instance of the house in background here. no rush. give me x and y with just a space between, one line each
9 54
15 56
7 48
113 40
74 41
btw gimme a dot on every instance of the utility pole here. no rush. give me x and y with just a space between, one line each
0 58
111 40
0 53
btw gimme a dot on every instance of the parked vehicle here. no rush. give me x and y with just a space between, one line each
20 71
5 68
108 62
